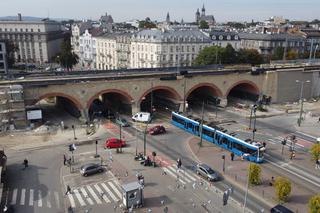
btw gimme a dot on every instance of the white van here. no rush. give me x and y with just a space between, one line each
142 117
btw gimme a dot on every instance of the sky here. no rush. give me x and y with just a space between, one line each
123 10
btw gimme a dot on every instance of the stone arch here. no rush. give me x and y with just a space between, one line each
220 94
173 91
57 94
252 84
125 94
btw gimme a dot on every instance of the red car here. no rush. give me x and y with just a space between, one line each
159 129
114 143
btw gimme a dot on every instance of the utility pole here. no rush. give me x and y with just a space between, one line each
201 124
310 55
184 94
301 100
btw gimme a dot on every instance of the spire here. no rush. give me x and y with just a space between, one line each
182 21
168 18
203 11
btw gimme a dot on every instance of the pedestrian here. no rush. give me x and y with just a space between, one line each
25 163
64 159
317 164
232 156
292 155
179 163
62 126
68 190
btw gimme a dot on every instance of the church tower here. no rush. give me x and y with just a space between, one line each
168 18
197 16
203 11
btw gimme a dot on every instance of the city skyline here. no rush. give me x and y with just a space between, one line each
123 10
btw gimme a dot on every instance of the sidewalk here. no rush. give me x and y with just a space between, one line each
236 173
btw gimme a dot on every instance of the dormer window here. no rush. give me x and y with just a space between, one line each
213 37
236 37
220 37
228 37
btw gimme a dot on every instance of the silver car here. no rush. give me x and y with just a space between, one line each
206 172
90 168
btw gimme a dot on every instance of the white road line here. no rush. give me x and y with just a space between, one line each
102 194
94 195
115 189
23 197
39 198
72 203
109 192
271 141
14 197
81 201
192 177
31 197
179 173
48 199
56 196
310 136
299 145
173 175
84 192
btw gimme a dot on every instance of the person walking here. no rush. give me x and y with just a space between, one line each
179 163
68 190
232 156
64 159
317 164
25 163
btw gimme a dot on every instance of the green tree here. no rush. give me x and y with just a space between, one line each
283 188
203 24
254 172
147 24
314 204
278 53
67 58
315 151
292 55
11 48
208 56
250 56
229 55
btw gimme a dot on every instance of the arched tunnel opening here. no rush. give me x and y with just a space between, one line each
54 109
110 105
203 95
160 100
244 92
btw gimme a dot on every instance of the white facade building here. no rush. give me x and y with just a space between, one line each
3 64
106 56
159 48
37 41
87 48
76 31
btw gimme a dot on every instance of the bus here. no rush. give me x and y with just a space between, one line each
252 152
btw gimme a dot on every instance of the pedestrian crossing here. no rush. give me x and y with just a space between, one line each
182 175
99 193
34 198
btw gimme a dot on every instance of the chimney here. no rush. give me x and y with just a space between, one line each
19 17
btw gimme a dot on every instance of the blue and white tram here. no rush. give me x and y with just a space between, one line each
252 152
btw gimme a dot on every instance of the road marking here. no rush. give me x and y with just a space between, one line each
72 203
178 172
39 198
102 194
14 197
86 196
109 192
94 195
173 175
271 141
31 197
81 201
23 196
194 178
56 196
115 189
48 199
310 136
299 145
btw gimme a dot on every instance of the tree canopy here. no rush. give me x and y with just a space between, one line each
11 48
283 188
147 24
314 204
254 172
67 58
203 24
315 151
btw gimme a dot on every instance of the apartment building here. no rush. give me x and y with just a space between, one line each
222 38
37 41
76 31
166 48
3 64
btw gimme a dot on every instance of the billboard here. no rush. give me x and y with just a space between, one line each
34 114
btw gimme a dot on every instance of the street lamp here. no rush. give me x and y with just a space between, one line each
201 125
74 132
145 138
254 124
96 155
301 100
224 162
253 108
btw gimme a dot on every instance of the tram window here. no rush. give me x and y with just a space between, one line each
207 132
179 120
190 126
224 140
196 128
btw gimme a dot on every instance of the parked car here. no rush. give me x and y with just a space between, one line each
90 168
122 122
206 172
280 209
159 129
114 143
142 117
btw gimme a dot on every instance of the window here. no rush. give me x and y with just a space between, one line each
178 120
213 37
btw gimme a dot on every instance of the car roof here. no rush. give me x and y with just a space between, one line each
205 166
282 209
89 164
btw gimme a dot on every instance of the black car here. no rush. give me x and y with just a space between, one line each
280 209
90 168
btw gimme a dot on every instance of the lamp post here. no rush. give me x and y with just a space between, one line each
246 194
145 139
254 123
184 94
224 162
74 132
96 155
253 108
201 125
301 100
